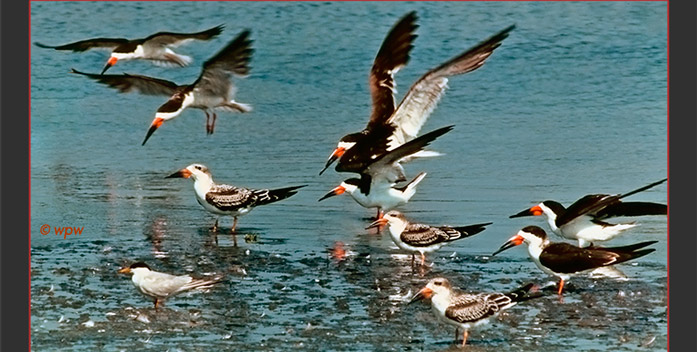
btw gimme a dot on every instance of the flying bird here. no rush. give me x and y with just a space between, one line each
391 126
212 90
156 48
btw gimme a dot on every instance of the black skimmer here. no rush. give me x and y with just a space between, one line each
212 90
391 126
381 195
422 238
467 310
160 286
376 187
156 48
564 259
221 199
583 220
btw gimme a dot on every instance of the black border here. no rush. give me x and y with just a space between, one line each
15 192
682 127
14 189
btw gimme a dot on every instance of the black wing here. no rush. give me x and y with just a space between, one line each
393 55
134 83
567 258
174 39
83 45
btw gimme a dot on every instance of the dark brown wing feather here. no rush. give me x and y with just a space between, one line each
233 58
586 205
172 39
230 198
393 55
567 258
83 45
420 235
468 308
129 83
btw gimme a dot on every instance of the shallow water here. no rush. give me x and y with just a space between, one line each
574 102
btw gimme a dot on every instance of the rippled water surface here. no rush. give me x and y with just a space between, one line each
574 102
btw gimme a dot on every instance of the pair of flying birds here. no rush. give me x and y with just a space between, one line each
213 89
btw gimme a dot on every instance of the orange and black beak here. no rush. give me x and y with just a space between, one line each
111 62
338 152
126 270
335 192
377 223
534 211
156 123
183 173
425 293
514 241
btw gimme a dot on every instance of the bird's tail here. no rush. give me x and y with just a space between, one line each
274 195
201 283
410 188
631 251
471 230
237 106
524 293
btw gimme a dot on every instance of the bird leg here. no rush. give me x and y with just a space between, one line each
215 226
561 286
457 334
464 337
379 216
423 259
412 260
156 302
234 233
213 123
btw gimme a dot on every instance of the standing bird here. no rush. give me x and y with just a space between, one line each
229 200
156 48
563 259
377 185
583 220
467 310
422 238
160 286
390 127
383 196
212 90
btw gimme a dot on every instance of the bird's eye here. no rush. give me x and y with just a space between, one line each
437 283
198 168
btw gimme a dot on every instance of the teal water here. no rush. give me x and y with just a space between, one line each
574 102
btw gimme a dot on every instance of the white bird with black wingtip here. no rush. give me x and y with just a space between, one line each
563 259
584 219
422 238
222 199
467 310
